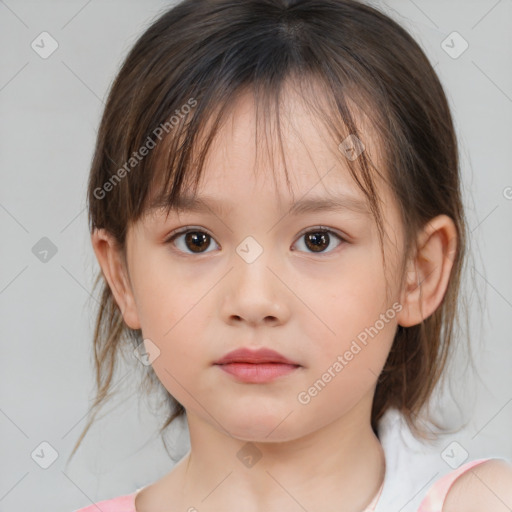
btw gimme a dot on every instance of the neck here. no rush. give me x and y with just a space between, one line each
340 465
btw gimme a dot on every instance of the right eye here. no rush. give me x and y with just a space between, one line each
194 239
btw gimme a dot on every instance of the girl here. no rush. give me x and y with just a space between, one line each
294 294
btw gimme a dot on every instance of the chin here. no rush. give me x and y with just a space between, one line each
266 427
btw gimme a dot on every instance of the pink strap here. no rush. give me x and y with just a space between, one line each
436 495
123 503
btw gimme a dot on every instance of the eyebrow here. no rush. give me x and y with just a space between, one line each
204 204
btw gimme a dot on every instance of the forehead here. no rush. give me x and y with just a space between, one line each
285 156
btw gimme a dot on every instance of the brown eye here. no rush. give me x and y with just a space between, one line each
196 241
319 240
191 241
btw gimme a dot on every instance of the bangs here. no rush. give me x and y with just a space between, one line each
179 159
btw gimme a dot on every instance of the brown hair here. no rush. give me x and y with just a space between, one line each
201 54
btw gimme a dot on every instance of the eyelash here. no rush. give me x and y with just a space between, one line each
191 229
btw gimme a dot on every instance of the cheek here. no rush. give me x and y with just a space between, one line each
178 333
173 311
164 295
357 322
348 297
345 368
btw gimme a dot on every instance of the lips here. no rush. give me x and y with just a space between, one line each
259 356
260 366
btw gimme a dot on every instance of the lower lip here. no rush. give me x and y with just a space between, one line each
257 373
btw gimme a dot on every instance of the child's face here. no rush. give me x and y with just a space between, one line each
327 311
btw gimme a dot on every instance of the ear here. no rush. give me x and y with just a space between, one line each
428 271
115 272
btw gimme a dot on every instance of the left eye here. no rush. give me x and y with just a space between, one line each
195 240
317 240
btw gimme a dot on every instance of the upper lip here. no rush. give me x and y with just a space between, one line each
261 355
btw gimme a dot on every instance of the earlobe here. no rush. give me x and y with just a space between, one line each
115 272
428 271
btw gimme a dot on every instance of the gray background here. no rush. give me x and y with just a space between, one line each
49 112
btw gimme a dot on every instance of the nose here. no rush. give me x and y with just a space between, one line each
254 293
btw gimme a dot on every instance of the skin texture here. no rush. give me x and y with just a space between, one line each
487 486
308 306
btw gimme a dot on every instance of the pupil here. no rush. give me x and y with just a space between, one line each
317 239
195 240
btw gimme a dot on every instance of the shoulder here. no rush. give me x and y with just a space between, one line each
486 486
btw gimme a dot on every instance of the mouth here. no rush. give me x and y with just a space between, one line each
258 373
256 366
